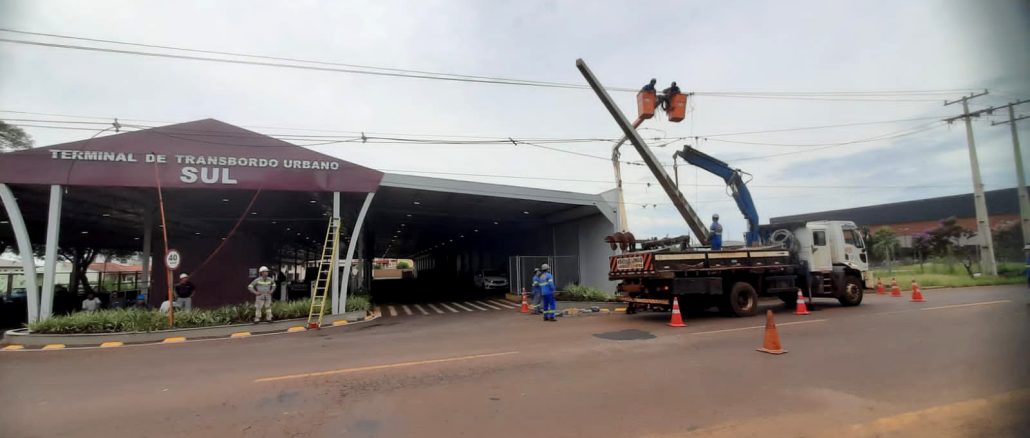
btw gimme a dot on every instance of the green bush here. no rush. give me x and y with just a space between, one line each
358 302
575 292
142 320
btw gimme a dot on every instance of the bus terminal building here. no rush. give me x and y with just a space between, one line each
230 200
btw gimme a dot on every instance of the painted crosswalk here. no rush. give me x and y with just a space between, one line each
444 308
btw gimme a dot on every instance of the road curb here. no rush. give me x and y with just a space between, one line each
170 340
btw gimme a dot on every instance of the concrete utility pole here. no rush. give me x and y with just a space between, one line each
1024 201
983 225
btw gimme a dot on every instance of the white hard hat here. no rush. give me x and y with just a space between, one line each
263 269
183 275
545 267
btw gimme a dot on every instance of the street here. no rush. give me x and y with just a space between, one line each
953 366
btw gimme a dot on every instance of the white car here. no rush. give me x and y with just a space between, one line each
491 280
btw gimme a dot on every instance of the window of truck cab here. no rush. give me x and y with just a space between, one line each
852 237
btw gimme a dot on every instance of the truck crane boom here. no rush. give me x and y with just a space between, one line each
684 208
734 180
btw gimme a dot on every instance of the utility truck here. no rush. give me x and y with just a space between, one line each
825 259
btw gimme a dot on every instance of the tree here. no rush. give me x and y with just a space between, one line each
885 243
921 246
13 138
403 265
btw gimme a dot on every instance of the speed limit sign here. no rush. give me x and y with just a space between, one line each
173 259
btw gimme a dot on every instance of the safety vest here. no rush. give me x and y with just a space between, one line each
263 285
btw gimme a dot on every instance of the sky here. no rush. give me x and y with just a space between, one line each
763 49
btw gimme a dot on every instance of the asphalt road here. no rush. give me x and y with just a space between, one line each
957 365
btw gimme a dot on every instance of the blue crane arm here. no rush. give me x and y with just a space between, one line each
733 179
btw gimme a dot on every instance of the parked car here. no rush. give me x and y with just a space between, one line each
18 296
490 279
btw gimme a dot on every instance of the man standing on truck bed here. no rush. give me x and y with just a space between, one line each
716 236
547 290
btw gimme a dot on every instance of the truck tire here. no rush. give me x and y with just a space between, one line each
852 294
741 301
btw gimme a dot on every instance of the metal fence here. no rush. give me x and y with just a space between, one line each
565 270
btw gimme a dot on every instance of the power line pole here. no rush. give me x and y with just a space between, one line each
983 226
1024 201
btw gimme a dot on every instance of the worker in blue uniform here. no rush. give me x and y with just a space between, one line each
715 239
547 290
537 300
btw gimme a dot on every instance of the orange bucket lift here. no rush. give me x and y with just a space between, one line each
646 102
677 107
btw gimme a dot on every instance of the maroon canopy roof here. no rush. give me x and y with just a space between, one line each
201 154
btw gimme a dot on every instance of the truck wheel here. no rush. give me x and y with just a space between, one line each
742 300
852 295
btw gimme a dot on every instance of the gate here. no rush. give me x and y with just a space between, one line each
565 270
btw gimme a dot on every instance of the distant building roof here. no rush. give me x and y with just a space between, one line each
114 267
999 202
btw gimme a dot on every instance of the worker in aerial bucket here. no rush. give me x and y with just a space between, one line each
650 86
715 239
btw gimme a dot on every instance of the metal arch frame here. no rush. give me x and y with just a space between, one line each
21 235
53 233
340 303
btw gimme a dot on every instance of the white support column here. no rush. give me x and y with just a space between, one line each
53 232
148 237
335 264
28 260
349 261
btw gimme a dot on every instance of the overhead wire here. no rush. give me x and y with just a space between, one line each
875 96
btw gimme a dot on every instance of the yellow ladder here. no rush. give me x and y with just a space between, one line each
324 281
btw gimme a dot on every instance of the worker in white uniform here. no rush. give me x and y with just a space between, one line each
262 287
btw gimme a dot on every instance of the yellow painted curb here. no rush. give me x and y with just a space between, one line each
339 323
174 340
239 335
620 310
606 311
14 347
53 346
112 344
296 328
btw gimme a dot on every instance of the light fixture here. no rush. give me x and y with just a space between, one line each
417 203
408 215
223 238
450 240
495 222
403 225
525 212
225 199
287 228
135 238
85 232
273 222
253 212
475 231
462 236
298 234
4 222
106 215
313 201
196 234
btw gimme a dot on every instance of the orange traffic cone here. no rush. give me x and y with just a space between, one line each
917 295
771 344
879 287
525 302
801 308
677 318
895 290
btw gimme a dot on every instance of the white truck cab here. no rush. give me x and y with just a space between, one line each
834 251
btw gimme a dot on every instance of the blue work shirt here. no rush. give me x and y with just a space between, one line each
716 238
536 284
547 283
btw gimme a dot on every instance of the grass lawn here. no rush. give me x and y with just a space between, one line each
949 275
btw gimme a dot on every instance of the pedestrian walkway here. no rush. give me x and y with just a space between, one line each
444 308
